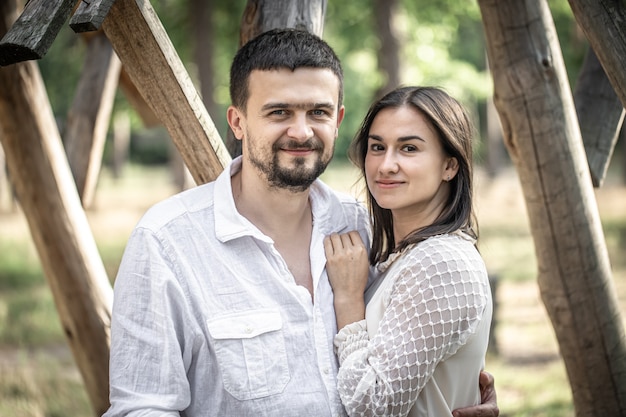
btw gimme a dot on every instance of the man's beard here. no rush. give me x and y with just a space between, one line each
296 178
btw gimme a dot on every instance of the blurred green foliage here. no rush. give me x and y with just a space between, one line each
442 44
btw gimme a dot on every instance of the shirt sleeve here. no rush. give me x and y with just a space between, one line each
148 334
435 305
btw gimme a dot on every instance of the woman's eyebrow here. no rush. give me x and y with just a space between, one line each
400 139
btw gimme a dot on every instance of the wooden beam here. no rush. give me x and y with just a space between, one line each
69 256
90 15
137 102
534 100
153 65
600 115
88 118
34 31
604 24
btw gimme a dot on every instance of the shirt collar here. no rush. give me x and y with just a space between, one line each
328 213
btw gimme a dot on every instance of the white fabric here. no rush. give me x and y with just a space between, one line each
425 333
208 320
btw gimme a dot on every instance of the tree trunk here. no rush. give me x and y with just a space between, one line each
262 15
389 49
88 119
536 108
204 50
495 157
600 116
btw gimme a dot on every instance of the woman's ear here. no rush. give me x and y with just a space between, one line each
235 120
451 169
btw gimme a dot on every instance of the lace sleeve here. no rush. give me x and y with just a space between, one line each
440 291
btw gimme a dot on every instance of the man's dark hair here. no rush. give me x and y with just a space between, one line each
277 49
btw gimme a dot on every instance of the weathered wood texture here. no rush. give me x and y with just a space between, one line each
89 15
154 67
604 24
34 31
44 186
136 100
69 256
534 100
262 15
600 116
88 118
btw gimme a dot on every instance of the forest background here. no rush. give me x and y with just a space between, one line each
441 44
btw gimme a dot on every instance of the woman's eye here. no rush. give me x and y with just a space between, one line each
376 147
409 148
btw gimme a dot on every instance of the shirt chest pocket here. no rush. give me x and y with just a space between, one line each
250 350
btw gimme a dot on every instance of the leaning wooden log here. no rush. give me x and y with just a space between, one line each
88 118
600 116
136 101
153 65
89 15
604 24
69 256
34 31
534 100
45 189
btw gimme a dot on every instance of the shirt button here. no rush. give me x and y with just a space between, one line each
248 329
325 371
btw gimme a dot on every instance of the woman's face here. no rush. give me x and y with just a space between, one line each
406 168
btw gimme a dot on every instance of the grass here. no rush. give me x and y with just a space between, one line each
38 376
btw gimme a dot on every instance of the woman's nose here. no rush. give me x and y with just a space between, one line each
389 162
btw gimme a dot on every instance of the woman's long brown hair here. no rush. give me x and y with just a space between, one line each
455 131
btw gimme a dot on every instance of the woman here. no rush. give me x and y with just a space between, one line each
419 346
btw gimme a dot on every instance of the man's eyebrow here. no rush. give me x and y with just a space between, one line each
299 106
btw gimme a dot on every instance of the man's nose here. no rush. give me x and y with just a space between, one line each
300 128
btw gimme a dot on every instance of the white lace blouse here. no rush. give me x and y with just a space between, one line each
422 345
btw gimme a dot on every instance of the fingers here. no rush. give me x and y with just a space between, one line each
332 244
485 379
489 404
335 242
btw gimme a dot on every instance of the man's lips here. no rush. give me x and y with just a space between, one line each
298 151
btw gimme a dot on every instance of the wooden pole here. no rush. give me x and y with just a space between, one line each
45 189
89 117
534 100
154 67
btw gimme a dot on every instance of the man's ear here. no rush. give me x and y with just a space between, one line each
340 113
235 120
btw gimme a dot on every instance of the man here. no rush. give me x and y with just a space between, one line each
222 304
